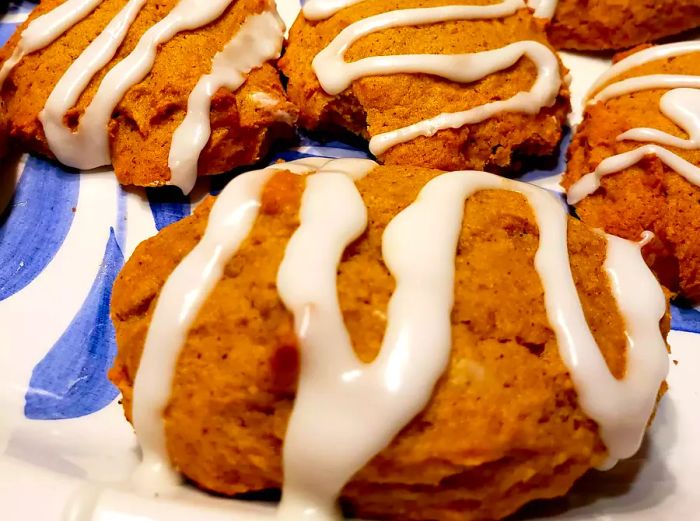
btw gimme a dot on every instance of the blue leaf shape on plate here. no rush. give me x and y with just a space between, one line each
685 318
35 223
168 205
71 379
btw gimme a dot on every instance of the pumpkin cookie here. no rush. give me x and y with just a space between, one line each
164 90
383 334
634 162
451 85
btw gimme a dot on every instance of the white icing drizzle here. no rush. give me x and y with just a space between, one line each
181 297
258 40
335 74
620 406
332 433
47 28
590 182
543 8
652 81
681 105
88 147
180 300
323 9
657 52
76 79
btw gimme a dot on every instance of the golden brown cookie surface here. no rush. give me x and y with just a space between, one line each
619 24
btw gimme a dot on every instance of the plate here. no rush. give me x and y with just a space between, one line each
66 451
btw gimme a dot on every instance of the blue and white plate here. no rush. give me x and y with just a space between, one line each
65 448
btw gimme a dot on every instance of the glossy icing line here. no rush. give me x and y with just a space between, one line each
657 52
321 455
596 387
652 81
622 408
258 40
180 300
323 9
88 147
590 182
542 94
332 433
96 56
335 74
45 29
681 105
183 294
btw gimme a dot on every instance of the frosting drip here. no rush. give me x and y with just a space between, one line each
323 9
230 222
317 467
335 74
88 147
590 182
652 81
258 40
76 79
46 29
180 300
657 52
600 394
620 406
332 433
681 105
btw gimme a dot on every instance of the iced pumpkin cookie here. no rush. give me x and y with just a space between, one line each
163 89
634 163
423 345
460 84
